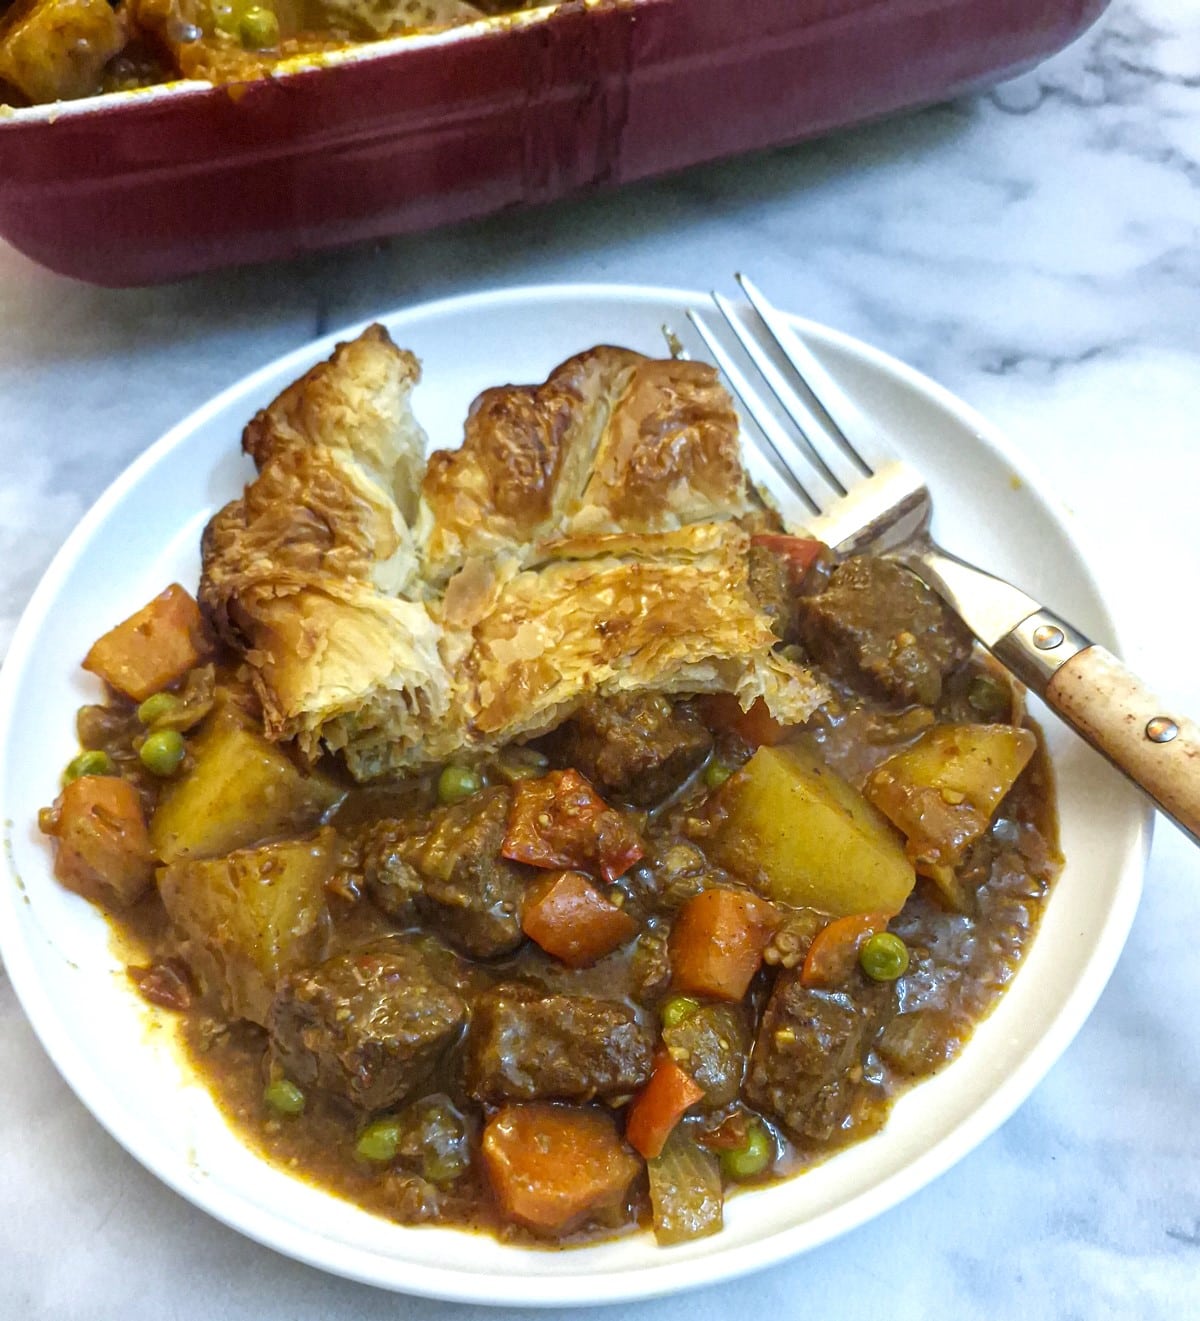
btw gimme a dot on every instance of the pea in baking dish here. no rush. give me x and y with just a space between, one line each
411 132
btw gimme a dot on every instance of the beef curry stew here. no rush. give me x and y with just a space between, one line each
670 947
537 837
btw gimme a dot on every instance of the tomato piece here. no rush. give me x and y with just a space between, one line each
833 955
659 1106
717 943
558 820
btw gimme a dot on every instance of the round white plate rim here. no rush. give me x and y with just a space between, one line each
547 1290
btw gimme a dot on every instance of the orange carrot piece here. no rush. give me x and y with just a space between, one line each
570 919
103 848
153 648
717 943
798 553
757 726
551 1166
659 1106
832 955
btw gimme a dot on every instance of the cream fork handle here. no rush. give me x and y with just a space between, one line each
1106 703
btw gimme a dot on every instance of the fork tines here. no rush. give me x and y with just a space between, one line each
811 420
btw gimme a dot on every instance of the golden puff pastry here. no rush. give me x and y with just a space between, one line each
584 541
613 440
668 612
313 573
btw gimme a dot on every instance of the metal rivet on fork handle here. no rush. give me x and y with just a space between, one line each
1047 637
1162 729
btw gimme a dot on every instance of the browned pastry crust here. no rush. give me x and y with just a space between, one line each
313 572
583 541
613 441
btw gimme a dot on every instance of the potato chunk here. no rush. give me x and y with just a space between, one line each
800 835
240 789
152 649
248 919
943 791
54 50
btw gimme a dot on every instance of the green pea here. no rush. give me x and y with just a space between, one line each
284 1096
716 773
162 751
458 782
752 1158
226 17
379 1141
158 707
259 28
92 762
988 697
677 1008
883 956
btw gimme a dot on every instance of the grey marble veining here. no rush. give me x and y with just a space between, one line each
1037 250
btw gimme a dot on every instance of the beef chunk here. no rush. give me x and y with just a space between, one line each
525 1046
883 631
802 1067
771 586
447 869
711 1044
369 1026
637 747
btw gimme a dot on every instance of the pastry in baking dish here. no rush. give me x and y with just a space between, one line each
586 539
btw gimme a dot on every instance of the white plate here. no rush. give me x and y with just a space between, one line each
144 532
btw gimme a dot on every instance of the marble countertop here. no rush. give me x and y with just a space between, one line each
1036 249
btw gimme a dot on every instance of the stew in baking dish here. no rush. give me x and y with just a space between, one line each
539 838
60 50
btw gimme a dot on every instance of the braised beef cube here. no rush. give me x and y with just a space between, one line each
711 1044
650 962
523 1045
391 882
447 869
917 1043
882 631
636 747
369 1026
805 1070
771 586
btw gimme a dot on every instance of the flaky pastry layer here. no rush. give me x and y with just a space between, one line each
583 541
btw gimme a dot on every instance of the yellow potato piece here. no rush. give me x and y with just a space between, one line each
241 789
55 50
801 835
943 791
251 917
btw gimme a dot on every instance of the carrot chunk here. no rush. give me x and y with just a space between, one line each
832 955
757 726
103 849
153 648
717 943
798 553
552 1166
568 917
659 1106
558 820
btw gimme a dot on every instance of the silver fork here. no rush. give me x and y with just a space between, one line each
863 498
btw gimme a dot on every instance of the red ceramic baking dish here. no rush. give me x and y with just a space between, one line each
414 132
